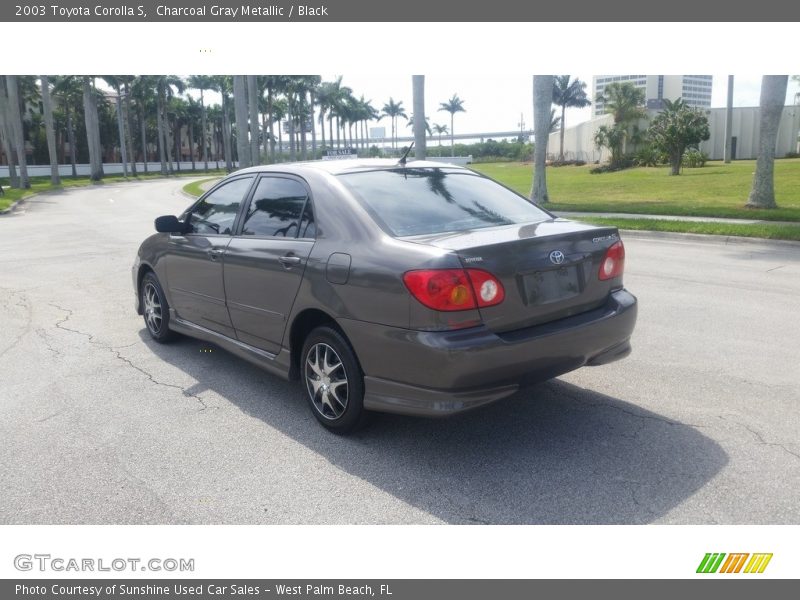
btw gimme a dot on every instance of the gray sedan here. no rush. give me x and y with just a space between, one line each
416 288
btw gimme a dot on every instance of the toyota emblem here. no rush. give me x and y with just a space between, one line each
556 257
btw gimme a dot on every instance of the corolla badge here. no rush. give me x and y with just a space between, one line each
556 257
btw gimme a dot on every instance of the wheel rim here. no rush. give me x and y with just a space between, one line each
152 308
326 380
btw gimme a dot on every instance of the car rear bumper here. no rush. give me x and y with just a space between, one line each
443 373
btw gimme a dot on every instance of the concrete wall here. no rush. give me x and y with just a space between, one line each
579 140
108 168
746 131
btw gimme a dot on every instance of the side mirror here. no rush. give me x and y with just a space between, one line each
171 224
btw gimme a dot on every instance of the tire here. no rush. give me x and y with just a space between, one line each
333 380
155 309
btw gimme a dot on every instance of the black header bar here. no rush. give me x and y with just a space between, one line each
333 11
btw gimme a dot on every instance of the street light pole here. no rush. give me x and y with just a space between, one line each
729 121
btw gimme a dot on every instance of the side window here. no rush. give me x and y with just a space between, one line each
276 207
217 211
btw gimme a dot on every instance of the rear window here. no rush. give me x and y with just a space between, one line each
412 201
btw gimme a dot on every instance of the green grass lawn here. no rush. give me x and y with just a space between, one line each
716 190
195 188
42 184
771 231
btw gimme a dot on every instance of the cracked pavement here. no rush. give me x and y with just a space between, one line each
101 425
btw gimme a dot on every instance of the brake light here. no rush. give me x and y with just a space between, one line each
613 262
454 289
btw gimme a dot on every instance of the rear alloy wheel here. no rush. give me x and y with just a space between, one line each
333 380
155 309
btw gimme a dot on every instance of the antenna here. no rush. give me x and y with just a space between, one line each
402 161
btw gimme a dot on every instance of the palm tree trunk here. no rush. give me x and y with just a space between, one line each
313 128
226 134
330 129
290 120
773 95
120 125
191 143
542 99
50 132
177 142
128 126
92 130
144 138
204 133
418 84
240 114
561 147
452 135
270 123
322 124
252 93
161 133
15 118
71 139
280 141
7 136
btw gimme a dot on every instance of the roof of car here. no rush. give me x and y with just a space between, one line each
337 167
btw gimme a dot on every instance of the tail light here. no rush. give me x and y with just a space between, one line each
454 289
613 262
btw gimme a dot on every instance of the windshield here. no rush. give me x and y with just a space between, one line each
411 201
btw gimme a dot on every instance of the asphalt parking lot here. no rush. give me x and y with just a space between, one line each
101 425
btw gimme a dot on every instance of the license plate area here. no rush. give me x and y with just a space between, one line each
552 285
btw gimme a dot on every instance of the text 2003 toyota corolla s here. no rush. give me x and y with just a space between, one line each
414 288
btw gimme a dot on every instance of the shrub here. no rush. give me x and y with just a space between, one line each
567 163
792 155
693 159
649 157
620 165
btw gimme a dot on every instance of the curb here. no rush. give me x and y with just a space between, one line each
11 208
706 238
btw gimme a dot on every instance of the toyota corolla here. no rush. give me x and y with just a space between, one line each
417 288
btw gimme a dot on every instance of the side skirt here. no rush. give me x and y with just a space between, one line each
275 364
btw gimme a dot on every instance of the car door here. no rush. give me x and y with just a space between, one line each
194 261
264 263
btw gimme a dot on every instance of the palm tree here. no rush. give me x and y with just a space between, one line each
439 130
6 135
67 89
368 113
224 85
542 100
252 105
625 102
568 94
50 132
453 105
194 114
393 110
13 119
240 115
164 85
773 95
92 129
325 95
203 83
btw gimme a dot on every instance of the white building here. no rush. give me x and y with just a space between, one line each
579 140
694 89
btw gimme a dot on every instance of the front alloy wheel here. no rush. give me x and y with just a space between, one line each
155 309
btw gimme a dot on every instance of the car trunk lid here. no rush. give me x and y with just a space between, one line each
549 269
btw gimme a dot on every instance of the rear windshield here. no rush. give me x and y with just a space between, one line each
408 202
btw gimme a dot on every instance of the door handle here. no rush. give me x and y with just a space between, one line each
214 253
290 261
